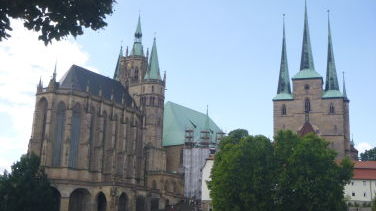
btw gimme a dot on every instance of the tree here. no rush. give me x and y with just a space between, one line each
368 155
309 177
54 19
293 173
242 173
26 188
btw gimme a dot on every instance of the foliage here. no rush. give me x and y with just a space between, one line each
245 188
293 173
26 188
368 155
54 19
374 204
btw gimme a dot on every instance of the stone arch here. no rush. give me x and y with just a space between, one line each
154 205
123 202
101 202
75 136
57 197
79 200
140 203
58 134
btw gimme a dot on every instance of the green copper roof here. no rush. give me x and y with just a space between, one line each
153 69
331 82
307 58
306 74
284 88
178 118
138 49
117 68
283 96
332 94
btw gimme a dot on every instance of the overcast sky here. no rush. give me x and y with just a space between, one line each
224 54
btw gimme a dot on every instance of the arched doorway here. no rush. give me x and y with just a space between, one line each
56 196
101 202
123 202
79 200
154 204
140 203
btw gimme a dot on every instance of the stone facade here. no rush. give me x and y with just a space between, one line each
100 139
333 125
324 111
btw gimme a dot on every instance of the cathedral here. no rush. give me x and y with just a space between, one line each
100 138
310 107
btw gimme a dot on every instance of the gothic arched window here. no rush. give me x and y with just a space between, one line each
75 136
307 106
331 109
136 74
283 110
41 116
59 134
92 138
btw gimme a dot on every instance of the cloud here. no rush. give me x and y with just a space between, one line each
363 146
24 60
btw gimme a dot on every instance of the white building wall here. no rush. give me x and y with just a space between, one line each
361 190
205 193
193 161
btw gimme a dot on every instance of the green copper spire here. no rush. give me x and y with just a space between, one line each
344 87
137 49
284 88
117 68
306 61
331 73
153 69
307 68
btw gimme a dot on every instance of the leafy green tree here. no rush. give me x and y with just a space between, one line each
368 155
293 173
242 174
54 19
309 178
26 188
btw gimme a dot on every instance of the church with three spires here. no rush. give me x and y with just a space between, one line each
312 105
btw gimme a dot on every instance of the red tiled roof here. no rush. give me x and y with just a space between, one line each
365 170
365 164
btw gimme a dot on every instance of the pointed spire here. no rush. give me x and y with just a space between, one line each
344 87
40 85
307 58
207 119
137 49
284 78
117 68
153 69
54 74
331 73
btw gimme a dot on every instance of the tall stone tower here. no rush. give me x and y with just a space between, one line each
309 107
141 75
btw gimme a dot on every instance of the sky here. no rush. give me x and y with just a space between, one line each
224 54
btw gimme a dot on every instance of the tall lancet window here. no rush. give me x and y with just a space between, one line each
284 110
307 106
91 138
41 116
59 134
75 136
331 109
